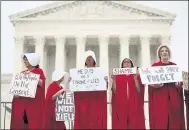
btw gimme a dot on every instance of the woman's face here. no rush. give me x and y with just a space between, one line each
26 62
164 53
127 63
90 61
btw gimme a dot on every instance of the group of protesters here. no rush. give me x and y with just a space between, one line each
166 103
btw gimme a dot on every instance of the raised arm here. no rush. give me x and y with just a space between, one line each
57 94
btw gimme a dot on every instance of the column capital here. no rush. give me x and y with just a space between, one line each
103 39
124 39
80 40
19 39
60 39
165 39
145 39
124 36
80 36
39 39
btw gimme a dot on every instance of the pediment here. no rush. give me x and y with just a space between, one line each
92 9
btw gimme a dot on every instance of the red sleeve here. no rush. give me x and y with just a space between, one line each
52 89
40 72
43 78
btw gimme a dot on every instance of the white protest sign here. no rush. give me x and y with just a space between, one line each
65 107
24 85
87 79
160 74
121 71
185 80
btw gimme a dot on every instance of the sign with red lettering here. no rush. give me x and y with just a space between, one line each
161 74
121 71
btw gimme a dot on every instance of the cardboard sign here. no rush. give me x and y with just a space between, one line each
121 71
65 107
185 80
24 85
160 74
87 79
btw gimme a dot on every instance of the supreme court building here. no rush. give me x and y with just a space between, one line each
61 32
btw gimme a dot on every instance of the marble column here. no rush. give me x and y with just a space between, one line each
60 55
124 47
104 64
145 51
19 49
80 45
104 57
39 49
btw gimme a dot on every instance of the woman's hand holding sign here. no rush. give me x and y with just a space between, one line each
57 94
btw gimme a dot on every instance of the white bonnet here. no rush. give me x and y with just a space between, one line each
33 58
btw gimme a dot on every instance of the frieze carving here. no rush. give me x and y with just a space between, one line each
93 7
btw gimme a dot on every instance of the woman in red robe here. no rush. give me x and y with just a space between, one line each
90 107
53 91
166 108
27 112
127 100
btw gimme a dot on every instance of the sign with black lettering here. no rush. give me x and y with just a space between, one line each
121 71
87 79
185 80
24 85
65 107
160 74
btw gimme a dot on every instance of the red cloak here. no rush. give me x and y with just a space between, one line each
49 118
127 104
32 106
90 110
186 93
166 106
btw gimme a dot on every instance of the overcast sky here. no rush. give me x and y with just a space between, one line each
179 40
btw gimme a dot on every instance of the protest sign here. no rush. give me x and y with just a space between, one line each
24 85
185 80
87 79
121 71
160 74
65 107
